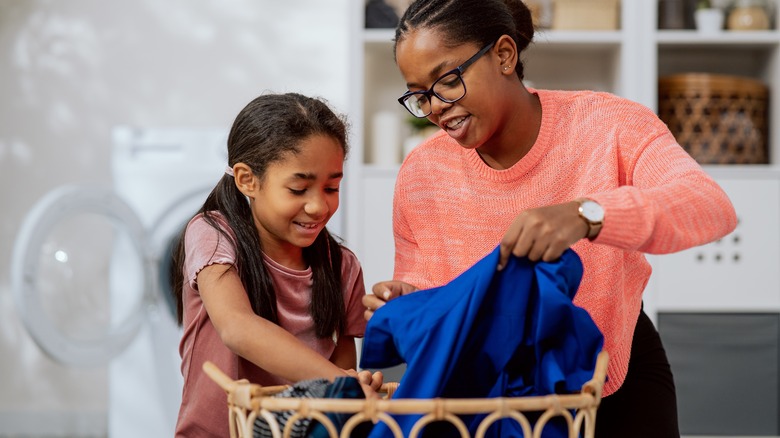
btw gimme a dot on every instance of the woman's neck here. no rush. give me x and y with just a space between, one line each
518 134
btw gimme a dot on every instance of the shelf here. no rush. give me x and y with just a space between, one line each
743 171
380 171
747 39
578 39
546 38
378 36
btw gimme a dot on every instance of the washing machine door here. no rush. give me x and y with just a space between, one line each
79 274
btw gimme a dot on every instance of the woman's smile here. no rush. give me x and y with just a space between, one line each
457 127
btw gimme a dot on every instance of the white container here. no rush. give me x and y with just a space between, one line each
385 145
709 20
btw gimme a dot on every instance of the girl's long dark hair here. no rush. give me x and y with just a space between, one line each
264 131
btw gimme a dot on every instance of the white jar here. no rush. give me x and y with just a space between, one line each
709 20
385 144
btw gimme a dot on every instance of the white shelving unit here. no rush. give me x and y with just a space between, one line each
739 274
626 62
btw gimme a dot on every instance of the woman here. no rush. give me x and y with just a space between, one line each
539 171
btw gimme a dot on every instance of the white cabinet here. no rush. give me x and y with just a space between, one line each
626 62
738 273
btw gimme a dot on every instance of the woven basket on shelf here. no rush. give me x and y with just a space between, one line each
718 119
586 14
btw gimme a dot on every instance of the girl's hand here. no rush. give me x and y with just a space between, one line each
543 233
384 292
371 383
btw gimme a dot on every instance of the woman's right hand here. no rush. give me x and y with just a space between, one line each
383 292
543 233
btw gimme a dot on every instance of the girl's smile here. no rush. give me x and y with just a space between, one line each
310 229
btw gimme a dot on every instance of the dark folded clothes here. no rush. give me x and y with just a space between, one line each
342 387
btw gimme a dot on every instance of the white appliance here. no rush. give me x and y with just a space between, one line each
90 265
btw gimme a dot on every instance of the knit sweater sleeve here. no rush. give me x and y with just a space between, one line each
407 254
667 202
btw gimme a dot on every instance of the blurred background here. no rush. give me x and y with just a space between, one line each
113 121
130 103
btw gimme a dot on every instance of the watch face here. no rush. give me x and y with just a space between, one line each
592 211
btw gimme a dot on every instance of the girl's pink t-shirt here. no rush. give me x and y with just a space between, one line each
203 410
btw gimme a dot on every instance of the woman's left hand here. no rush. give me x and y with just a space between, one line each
543 233
383 292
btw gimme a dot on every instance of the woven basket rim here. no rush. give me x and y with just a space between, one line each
712 81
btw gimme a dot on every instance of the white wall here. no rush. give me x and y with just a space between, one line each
72 70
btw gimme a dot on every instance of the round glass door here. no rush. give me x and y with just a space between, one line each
80 275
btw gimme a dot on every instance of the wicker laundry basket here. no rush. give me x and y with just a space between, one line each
246 401
718 119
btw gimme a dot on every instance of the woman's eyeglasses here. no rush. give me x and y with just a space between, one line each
448 88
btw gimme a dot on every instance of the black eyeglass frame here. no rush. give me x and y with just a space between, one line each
456 71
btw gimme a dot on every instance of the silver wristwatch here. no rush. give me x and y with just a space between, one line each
593 215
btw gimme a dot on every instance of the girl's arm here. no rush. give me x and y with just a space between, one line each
345 354
256 339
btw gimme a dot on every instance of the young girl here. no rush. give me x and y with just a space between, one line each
539 171
263 290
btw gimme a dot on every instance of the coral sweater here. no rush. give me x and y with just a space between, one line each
451 209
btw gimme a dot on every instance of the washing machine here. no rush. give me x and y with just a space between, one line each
90 267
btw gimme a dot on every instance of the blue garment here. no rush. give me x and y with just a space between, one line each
488 333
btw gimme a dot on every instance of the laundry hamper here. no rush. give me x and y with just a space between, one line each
246 401
718 119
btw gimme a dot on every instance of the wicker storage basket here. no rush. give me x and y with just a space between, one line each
246 401
718 119
586 14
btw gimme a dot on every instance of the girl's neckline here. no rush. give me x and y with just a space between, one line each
280 267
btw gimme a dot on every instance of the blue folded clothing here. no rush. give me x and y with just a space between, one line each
488 333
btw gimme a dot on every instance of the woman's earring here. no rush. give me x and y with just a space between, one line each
506 68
